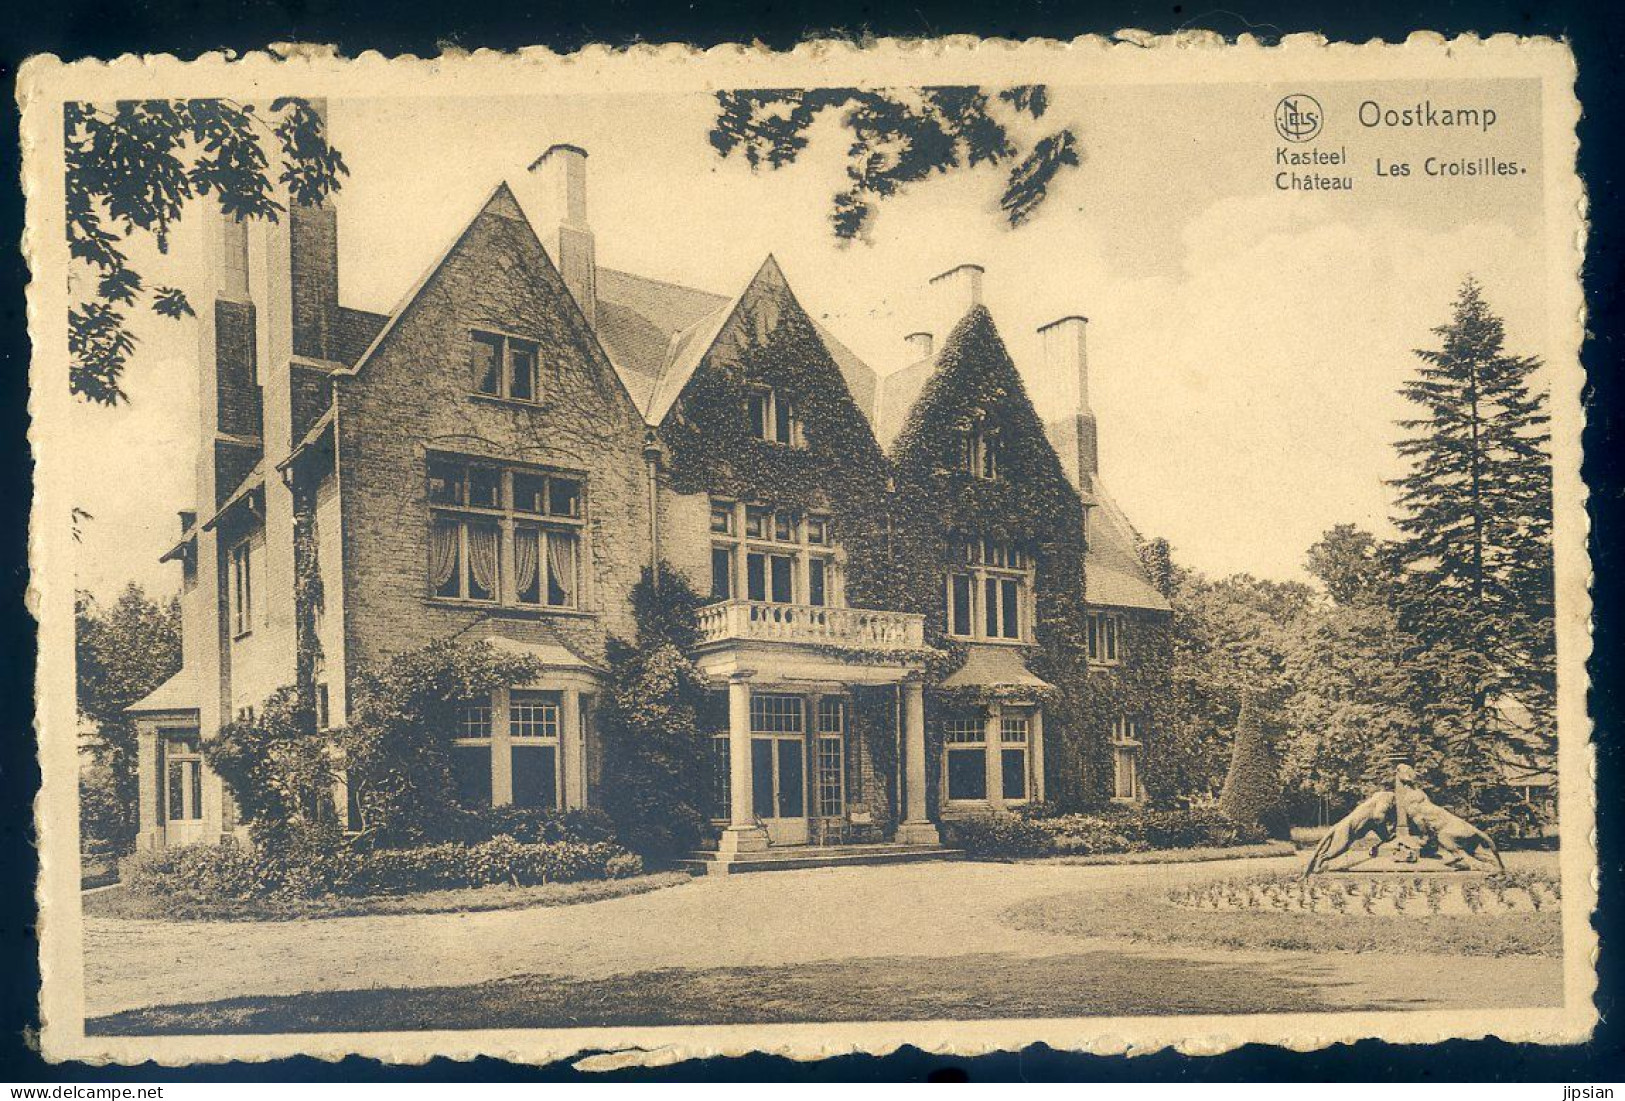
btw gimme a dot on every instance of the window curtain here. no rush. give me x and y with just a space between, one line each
526 559
561 569
442 554
482 556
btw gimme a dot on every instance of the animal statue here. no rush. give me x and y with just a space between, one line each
1458 842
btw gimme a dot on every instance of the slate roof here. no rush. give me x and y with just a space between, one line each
178 693
1112 574
994 667
639 318
898 393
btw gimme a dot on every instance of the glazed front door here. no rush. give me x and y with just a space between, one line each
779 787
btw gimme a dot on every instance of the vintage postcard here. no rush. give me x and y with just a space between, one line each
661 553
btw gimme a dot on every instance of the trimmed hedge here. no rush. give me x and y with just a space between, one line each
232 872
1127 831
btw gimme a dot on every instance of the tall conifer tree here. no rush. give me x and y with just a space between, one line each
1475 546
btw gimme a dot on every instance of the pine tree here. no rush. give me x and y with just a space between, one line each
1252 793
1475 546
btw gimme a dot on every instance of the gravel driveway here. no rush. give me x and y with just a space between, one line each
758 920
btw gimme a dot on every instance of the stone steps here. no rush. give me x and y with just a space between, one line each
709 862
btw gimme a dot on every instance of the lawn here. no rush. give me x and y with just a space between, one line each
123 903
1172 856
969 987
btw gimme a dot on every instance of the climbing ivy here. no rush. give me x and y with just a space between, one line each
840 469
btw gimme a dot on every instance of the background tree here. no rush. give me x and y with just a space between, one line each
1475 548
133 166
1252 793
901 136
122 654
1230 639
657 758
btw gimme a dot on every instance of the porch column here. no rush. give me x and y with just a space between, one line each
1035 752
571 759
742 834
916 828
501 750
809 771
149 834
991 733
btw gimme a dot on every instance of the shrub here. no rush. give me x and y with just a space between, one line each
533 825
1252 794
999 835
311 865
1131 829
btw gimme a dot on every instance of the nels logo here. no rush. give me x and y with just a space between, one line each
1298 117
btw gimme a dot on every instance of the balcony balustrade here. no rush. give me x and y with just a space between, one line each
857 628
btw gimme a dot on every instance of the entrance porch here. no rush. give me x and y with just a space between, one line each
792 675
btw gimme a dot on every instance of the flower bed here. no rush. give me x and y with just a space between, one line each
1387 896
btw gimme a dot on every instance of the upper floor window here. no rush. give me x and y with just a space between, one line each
773 417
505 535
1105 638
242 589
988 590
504 367
980 452
774 555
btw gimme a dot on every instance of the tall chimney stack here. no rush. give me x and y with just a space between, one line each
919 346
1061 392
957 292
313 255
562 175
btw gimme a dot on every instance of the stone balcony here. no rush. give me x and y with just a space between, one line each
749 621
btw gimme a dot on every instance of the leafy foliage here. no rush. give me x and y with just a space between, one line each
840 469
1252 794
133 166
280 775
656 755
397 746
900 136
122 653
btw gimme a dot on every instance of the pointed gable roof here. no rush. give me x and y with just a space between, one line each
759 305
1114 576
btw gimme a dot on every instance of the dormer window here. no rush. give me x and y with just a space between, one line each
504 367
773 417
979 453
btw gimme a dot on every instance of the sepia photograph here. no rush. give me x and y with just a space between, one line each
809 552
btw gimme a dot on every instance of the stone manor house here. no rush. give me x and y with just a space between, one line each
504 455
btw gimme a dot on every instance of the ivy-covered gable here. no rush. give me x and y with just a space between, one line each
977 394
768 342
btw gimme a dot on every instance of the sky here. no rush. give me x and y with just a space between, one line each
1246 344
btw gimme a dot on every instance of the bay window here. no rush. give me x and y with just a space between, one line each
507 749
781 557
988 589
490 521
183 780
965 758
1013 736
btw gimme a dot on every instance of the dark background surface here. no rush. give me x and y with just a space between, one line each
109 28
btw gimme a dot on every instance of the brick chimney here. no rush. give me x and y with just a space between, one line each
1061 392
957 291
313 271
919 346
561 176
